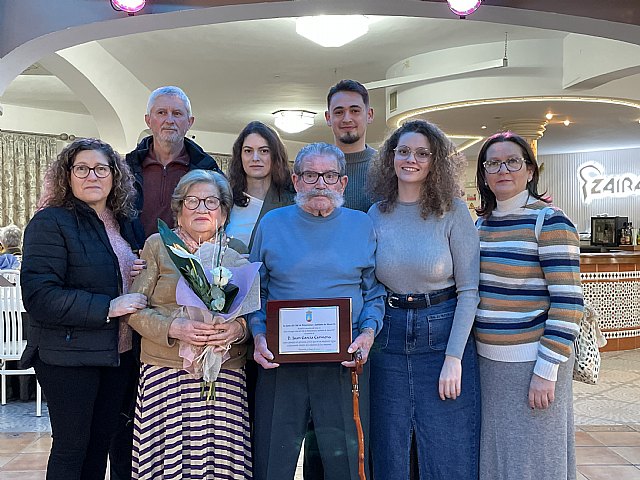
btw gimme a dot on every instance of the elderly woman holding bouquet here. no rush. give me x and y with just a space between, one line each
185 428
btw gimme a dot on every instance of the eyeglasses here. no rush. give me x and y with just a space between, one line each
210 203
513 164
82 171
330 178
421 154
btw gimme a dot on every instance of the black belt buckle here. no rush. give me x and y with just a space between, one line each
408 301
391 300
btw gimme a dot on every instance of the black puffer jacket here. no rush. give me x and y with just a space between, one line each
69 275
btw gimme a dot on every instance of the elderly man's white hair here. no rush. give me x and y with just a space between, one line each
319 149
172 91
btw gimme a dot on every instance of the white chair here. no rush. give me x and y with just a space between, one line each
11 339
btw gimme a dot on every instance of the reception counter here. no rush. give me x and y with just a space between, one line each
611 284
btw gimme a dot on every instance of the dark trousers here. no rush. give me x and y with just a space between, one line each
122 441
84 403
286 398
312 468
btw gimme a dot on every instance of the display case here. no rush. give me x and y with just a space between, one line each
605 231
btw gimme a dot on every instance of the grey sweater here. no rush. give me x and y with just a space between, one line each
420 256
356 195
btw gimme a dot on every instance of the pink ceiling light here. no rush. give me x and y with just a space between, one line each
129 6
463 7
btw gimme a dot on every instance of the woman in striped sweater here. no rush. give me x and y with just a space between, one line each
530 307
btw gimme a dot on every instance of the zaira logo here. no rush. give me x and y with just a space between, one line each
595 184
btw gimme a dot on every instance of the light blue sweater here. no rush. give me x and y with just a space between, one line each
305 256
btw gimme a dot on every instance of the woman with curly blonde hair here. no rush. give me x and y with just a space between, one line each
76 272
428 259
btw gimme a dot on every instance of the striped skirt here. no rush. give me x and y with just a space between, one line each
180 435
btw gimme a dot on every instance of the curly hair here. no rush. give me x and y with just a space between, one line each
280 172
442 184
488 201
58 179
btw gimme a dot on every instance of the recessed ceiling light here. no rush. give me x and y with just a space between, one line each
566 123
332 30
549 116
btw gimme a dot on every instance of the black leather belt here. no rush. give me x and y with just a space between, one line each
420 300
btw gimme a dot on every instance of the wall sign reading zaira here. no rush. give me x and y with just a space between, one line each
596 184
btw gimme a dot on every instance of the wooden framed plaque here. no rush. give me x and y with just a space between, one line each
309 330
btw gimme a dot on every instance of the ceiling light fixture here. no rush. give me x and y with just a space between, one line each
293 121
462 8
549 116
332 30
567 122
129 6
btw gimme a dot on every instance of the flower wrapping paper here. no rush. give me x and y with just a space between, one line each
204 362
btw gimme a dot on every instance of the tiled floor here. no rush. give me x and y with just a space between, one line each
607 418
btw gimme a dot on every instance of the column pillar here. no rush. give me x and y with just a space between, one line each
529 129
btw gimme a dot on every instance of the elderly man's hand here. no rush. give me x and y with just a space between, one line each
363 342
261 353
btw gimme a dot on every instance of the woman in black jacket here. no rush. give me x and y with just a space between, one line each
76 272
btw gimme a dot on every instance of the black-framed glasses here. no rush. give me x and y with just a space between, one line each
421 154
82 171
192 203
330 178
513 164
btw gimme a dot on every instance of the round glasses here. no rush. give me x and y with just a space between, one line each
192 203
421 154
330 178
82 171
513 164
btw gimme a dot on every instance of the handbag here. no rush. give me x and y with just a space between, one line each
587 343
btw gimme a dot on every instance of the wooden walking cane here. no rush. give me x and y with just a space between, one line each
355 389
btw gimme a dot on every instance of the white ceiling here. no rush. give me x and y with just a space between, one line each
243 71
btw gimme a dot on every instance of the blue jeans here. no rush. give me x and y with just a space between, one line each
405 369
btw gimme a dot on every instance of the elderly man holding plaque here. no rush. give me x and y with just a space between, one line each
318 260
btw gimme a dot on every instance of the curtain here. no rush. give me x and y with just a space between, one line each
24 159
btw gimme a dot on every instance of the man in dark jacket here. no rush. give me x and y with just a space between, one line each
160 160
157 163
